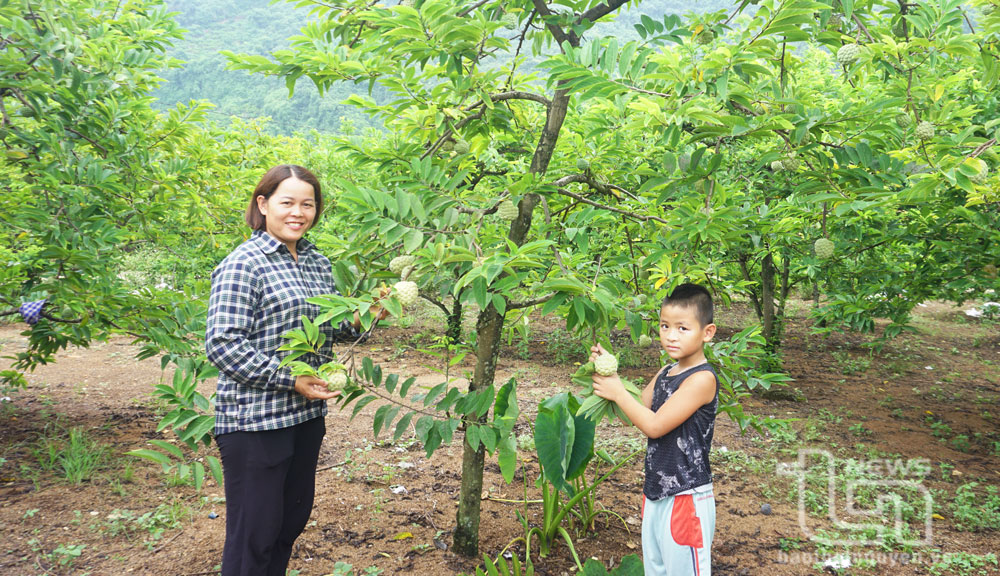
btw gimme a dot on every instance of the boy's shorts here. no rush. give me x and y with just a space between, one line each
677 533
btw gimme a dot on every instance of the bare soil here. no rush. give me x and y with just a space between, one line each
384 506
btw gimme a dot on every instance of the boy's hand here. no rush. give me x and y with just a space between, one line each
595 351
608 387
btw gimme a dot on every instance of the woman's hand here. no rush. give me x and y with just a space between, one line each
313 388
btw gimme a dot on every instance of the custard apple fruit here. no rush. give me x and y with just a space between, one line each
582 164
848 54
606 364
397 264
777 166
925 130
903 120
824 248
461 147
407 292
990 270
835 22
335 382
507 210
509 21
790 163
645 341
982 175
706 36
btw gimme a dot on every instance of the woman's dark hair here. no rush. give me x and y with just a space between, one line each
692 295
269 183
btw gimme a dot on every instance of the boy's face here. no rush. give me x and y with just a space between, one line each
681 334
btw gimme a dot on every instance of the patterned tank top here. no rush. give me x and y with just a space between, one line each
678 460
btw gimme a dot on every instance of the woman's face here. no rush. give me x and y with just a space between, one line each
289 211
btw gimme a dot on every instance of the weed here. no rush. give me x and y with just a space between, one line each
946 470
564 348
789 544
77 457
825 414
976 512
938 429
848 365
167 516
964 564
65 554
961 443
859 429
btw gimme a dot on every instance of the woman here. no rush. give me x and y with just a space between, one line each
269 425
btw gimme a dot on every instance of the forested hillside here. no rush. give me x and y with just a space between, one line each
256 27
251 26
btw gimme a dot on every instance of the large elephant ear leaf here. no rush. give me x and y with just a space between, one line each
554 435
564 440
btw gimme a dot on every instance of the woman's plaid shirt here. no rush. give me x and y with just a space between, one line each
258 293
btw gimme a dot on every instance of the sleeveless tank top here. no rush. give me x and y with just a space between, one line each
678 460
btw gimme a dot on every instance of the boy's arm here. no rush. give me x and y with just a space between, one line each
695 392
647 392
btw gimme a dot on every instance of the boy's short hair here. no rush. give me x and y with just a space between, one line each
687 295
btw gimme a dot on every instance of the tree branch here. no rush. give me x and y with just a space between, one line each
639 217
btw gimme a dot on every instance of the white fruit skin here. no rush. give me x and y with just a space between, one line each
824 250
406 292
397 264
645 340
606 365
336 381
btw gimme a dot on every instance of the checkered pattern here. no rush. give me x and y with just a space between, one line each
32 311
258 293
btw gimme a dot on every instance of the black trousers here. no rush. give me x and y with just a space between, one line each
270 481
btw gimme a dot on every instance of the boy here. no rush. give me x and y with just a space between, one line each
677 414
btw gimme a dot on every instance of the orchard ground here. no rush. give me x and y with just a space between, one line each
918 418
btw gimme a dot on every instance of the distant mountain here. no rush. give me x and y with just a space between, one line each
256 27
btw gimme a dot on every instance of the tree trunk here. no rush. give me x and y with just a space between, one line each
454 331
466 537
488 330
767 272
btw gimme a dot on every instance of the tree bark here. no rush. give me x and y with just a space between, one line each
489 327
767 272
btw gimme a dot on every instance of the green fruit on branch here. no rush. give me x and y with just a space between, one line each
835 22
582 164
397 264
335 382
848 54
777 166
903 120
406 292
791 163
706 36
507 211
405 274
983 173
990 270
824 248
925 130
509 21
645 341
461 147
606 364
